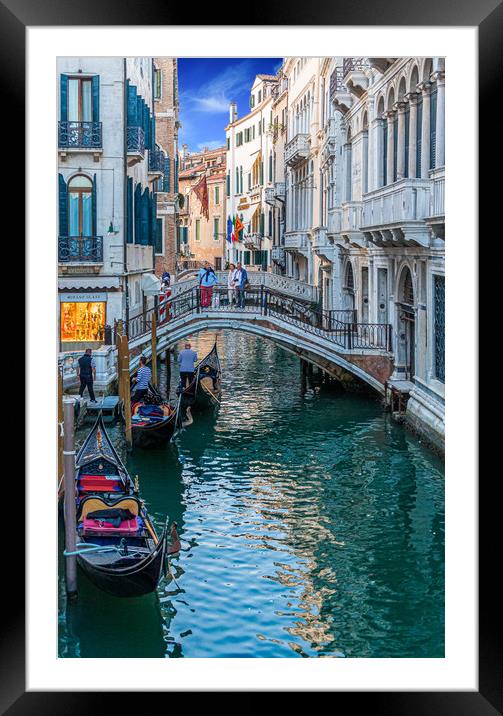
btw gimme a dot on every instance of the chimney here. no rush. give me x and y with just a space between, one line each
233 112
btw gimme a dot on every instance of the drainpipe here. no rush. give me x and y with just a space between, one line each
124 198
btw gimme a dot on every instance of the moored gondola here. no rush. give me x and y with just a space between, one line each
205 388
153 421
117 545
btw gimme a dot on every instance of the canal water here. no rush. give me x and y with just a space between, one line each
313 526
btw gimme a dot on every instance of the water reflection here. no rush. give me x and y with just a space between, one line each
312 526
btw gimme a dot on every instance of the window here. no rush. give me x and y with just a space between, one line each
80 99
241 180
252 101
439 326
198 230
259 128
80 206
216 229
228 183
239 139
157 84
247 134
228 143
259 96
158 237
217 195
82 321
433 126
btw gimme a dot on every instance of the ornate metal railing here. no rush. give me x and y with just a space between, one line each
136 140
265 301
82 249
336 83
156 161
80 135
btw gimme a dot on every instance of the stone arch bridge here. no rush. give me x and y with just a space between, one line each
332 340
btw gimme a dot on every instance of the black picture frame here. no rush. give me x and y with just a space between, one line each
15 16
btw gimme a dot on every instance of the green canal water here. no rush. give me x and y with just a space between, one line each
312 526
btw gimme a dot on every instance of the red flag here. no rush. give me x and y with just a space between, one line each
201 191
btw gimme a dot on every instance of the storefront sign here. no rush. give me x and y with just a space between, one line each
82 297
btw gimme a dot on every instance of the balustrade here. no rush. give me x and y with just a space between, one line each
80 135
80 249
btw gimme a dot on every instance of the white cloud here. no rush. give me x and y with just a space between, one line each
215 96
213 144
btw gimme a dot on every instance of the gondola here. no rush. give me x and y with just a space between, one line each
117 545
153 421
205 388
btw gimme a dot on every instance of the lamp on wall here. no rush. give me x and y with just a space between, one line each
111 230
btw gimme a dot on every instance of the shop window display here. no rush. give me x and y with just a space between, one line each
82 322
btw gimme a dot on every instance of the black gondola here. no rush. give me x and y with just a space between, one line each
118 548
153 421
205 388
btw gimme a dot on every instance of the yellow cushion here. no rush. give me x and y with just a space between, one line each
95 503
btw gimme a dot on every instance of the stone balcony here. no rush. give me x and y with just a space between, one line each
80 250
80 137
278 255
339 93
321 244
135 145
394 215
328 148
269 197
344 224
297 241
353 75
297 149
381 64
280 190
155 164
436 218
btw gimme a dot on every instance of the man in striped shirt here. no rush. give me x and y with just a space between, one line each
143 378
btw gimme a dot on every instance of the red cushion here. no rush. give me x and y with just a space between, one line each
126 526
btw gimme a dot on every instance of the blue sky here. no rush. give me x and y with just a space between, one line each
206 86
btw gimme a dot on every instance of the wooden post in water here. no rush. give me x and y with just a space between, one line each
69 503
154 348
60 431
126 389
168 372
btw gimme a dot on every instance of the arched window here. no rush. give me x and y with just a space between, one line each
80 206
349 166
350 279
407 294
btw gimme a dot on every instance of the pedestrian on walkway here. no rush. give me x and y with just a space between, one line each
143 378
86 371
230 284
187 360
241 284
207 278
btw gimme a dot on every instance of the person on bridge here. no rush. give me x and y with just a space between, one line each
207 278
241 284
230 284
143 378
86 371
187 359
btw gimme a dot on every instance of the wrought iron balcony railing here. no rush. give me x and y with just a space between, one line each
336 84
80 135
156 161
136 140
357 64
81 249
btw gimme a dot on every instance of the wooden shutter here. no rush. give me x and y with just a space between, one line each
153 219
63 207
130 210
95 89
145 218
93 208
131 105
137 214
433 126
63 98
166 178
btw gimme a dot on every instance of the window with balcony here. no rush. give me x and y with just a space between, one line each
77 221
80 206
79 125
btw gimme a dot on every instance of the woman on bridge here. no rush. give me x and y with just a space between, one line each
207 278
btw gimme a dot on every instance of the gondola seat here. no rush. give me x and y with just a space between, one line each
89 504
100 483
125 527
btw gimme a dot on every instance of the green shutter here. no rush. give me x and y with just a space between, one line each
166 177
63 207
130 210
93 208
137 214
96 98
158 236
63 98
132 105
145 218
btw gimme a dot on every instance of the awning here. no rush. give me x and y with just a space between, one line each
92 282
151 285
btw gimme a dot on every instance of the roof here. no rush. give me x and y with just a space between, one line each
267 77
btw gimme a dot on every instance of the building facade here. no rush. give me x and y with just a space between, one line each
250 174
167 124
365 176
201 238
107 200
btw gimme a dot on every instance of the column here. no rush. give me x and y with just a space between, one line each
440 123
371 184
425 88
375 156
400 165
412 97
391 143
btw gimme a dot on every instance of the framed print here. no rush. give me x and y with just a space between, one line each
246 333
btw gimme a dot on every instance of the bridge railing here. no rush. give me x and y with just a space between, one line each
261 300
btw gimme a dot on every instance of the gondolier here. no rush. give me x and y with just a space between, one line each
142 379
187 359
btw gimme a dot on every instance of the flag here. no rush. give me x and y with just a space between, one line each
229 229
234 235
239 229
201 191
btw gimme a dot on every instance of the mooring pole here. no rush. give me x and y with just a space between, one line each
154 348
126 388
60 431
69 502
168 372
